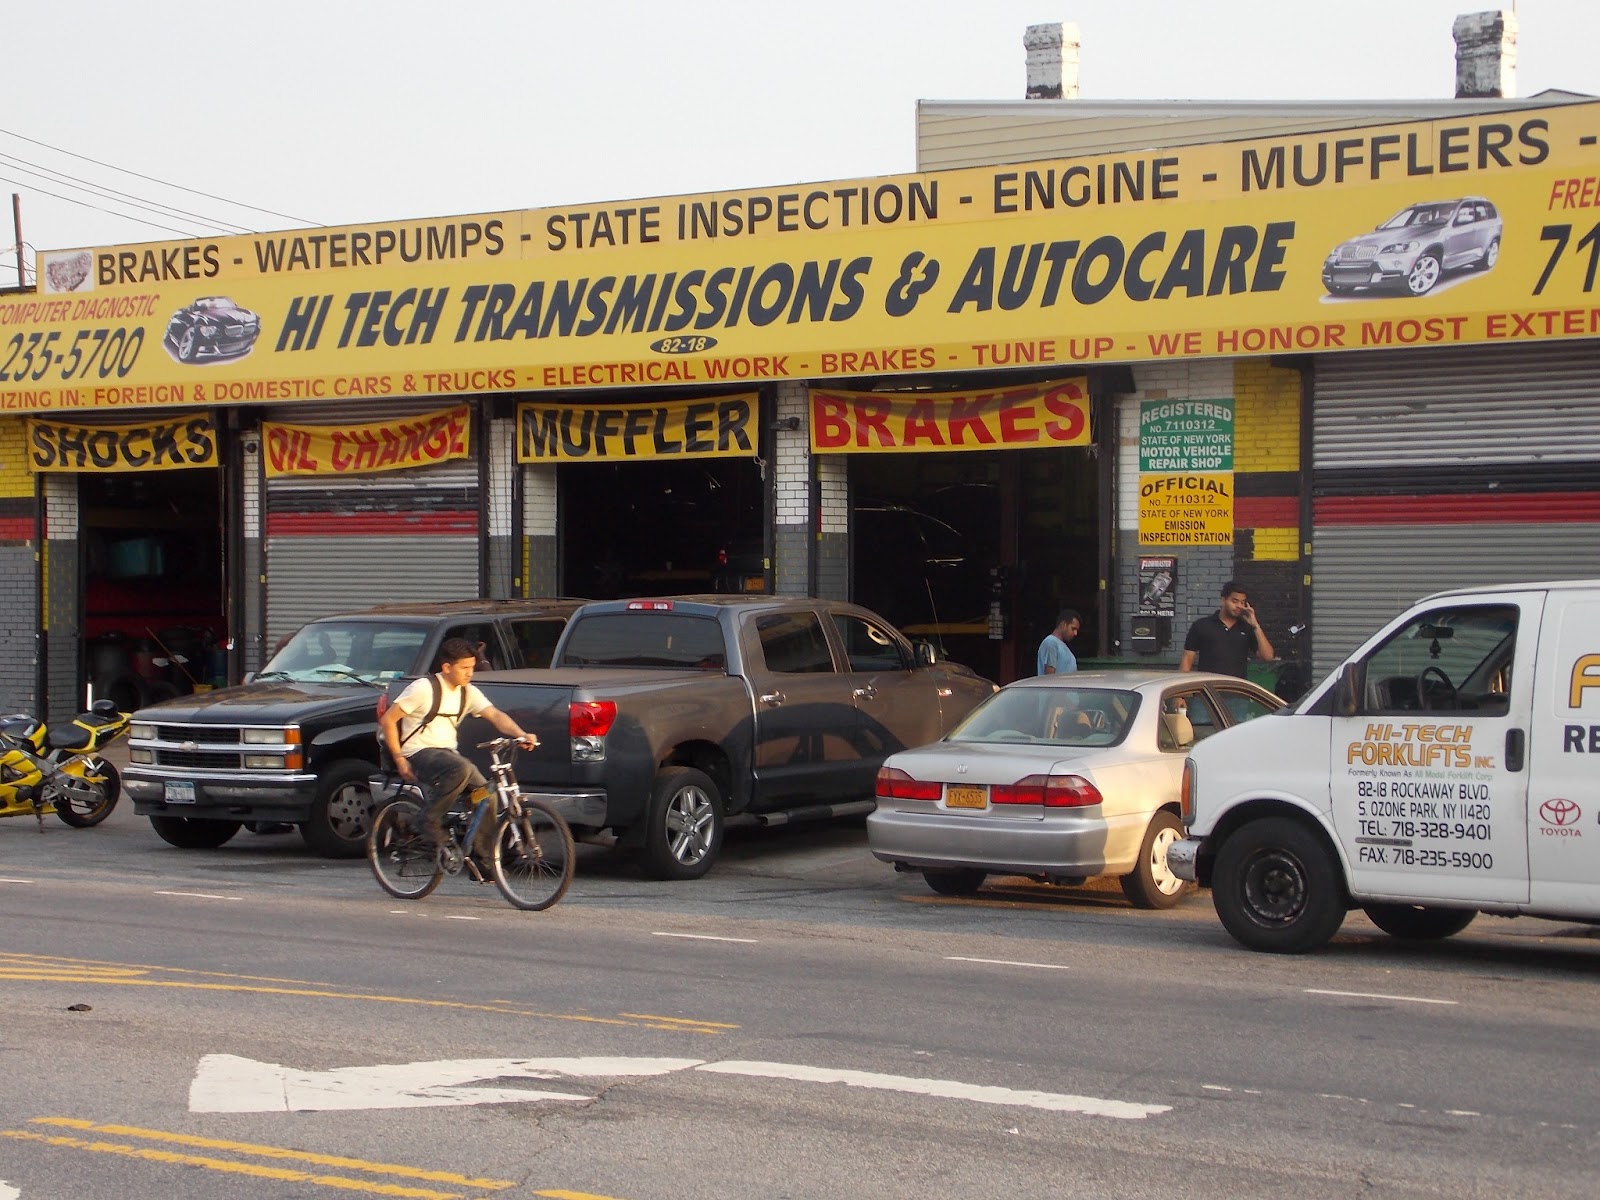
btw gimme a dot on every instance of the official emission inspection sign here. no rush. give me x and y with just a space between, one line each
1186 472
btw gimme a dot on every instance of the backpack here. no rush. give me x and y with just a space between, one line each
384 759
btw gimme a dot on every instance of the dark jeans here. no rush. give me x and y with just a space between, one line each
444 775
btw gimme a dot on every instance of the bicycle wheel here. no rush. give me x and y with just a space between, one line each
533 854
403 858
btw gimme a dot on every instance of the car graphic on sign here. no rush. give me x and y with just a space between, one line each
1413 249
213 327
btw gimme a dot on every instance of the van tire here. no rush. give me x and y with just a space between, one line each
1418 923
683 834
1277 887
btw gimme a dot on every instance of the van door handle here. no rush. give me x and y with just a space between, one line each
773 698
1515 742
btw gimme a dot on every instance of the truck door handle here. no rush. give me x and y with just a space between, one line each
866 693
772 698
1515 741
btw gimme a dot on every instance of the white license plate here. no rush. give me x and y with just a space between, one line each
180 793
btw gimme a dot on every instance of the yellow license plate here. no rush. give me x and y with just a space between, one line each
956 796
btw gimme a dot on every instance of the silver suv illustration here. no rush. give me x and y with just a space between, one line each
1414 248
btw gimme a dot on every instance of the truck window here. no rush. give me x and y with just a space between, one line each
869 646
645 639
794 644
482 635
536 640
1445 660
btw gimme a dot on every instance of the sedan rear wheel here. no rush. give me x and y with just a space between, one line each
958 881
1151 883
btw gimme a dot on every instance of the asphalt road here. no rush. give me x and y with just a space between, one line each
802 1023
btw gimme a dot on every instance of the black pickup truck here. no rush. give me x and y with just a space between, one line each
298 744
660 719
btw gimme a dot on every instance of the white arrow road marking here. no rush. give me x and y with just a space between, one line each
227 1083
947 1089
7 1192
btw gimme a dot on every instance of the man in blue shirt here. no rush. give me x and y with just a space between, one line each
1054 657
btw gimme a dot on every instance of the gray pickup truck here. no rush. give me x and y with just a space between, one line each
661 719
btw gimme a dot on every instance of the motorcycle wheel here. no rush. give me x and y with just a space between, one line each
79 812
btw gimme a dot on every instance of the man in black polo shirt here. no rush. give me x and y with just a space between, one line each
1224 641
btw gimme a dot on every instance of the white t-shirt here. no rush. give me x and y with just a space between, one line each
439 733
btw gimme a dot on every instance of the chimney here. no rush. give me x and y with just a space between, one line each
1052 61
1486 55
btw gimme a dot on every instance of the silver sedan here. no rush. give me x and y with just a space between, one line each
1060 778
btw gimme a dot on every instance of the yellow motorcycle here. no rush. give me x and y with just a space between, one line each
44 770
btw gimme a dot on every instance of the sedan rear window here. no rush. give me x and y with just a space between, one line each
1063 716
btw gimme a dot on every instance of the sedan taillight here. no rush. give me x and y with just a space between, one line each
895 784
1050 791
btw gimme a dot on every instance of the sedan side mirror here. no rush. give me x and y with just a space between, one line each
926 654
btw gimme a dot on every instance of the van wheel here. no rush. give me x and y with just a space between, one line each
193 833
341 812
1418 923
1276 887
1151 884
685 825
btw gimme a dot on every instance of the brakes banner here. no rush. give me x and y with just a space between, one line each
1467 229
362 449
167 445
1030 417
716 427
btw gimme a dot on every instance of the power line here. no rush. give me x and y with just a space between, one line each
188 233
43 172
153 179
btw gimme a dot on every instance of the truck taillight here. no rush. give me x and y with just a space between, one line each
591 718
895 784
1051 791
1186 794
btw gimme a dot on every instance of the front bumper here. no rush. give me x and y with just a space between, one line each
221 796
1183 859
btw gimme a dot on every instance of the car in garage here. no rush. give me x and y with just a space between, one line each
1059 778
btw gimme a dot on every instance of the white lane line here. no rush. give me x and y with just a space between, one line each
705 937
2 1195
1006 962
1378 996
460 916
7 1192
946 1089
198 895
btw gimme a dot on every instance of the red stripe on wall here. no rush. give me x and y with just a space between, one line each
1512 508
16 529
373 524
1266 512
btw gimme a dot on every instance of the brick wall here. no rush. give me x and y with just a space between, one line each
19 574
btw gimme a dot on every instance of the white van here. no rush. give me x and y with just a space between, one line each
1450 766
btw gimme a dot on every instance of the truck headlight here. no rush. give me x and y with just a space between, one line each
141 731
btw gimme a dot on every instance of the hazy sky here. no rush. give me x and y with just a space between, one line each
339 112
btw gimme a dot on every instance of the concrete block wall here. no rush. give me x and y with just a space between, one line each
19 574
64 693
541 549
790 479
251 655
503 568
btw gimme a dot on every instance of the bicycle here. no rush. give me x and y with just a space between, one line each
533 857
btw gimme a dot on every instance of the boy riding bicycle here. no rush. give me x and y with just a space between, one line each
419 729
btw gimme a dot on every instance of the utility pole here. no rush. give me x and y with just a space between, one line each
16 220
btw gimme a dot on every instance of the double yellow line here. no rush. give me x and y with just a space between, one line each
316 1165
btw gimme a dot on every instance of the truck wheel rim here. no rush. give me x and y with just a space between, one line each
1274 888
689 821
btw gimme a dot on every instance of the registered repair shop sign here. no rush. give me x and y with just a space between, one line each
1186 472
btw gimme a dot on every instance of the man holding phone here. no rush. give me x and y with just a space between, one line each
1224 641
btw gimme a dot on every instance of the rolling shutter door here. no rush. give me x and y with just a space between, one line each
1449 468
336 544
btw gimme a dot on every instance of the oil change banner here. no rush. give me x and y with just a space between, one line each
362 449
60 446
1021 418
718 427
1463 230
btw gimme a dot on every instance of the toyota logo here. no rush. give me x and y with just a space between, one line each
1560 812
